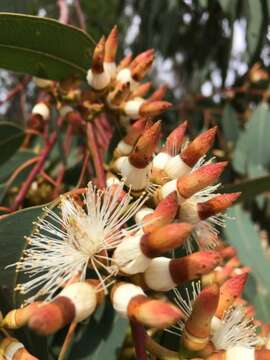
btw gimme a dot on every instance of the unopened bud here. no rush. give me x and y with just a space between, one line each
197 330
164 214
41 109
165 239
12 349
229 292
111 45
139 71
175 139
198 147
19 317
132 107
154 108
141 90
98 57
74 303
43 83
144 149
216 205
125 62
141 58
129 300
119 94
159 93
189 184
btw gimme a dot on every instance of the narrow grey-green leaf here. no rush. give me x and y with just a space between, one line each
253 145
230 124
43 47
244 236
11 137
249 188
254 25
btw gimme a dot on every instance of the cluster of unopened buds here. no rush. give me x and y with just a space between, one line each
158 199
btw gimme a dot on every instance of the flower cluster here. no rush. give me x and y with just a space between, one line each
123 240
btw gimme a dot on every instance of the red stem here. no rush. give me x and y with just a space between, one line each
36 170
63 11
138 334
80 15
19 87
98 163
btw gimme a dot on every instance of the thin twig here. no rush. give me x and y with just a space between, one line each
36 169
138 334
18 88
67 341
160 351
80 15
63 11
98 163
83 168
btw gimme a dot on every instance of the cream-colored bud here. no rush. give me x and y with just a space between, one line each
41 109
122 296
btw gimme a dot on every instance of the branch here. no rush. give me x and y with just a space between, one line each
98 163
80 15
160 351
36 169
63 11
138 334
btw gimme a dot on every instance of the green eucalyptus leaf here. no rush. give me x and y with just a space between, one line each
253 145
43 47
230 124
13 229
11 138
254 25
244 236
249 188
101 337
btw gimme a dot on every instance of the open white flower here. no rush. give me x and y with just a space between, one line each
61 247
235 329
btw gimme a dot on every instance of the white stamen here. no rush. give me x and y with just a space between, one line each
235 330
185 305
62 247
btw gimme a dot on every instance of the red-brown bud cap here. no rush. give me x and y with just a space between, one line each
193 266
19 317
125 62
228 252
75 302
98 56
49 318
136 130
111 45
262 354
229 292
154 108
141 58
140 70
206 175
198 147
164 214
175 139
141 90
153 313
216 205
159 93
142 154
197 329
164 239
